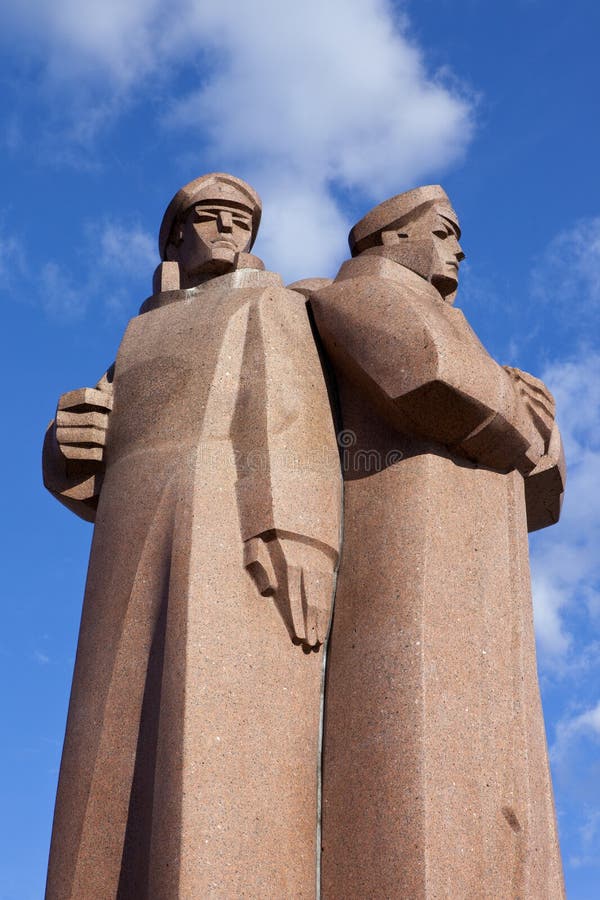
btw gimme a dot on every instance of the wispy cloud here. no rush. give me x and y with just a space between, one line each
114 270
125 249
12 257
586 723
589 834
312 102
574 755
329 99
567 274
93 38
59 294
565 561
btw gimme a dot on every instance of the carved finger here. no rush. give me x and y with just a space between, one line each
533 389
319 593
78 452
555 447
294 585
542 422
95 436
82 398
325 609
309 601
540 407
539 404
81 419
536 384
257 560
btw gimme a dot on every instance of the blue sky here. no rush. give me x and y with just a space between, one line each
108 108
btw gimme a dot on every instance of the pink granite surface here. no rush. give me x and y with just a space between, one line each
208 460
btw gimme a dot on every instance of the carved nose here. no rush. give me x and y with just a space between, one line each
225 221
459 254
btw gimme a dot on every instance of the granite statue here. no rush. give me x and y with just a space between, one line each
207 458
243 429
435 770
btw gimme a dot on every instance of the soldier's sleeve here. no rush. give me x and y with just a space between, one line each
284 441
424 370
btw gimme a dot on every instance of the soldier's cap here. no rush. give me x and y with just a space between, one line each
392 211
218 187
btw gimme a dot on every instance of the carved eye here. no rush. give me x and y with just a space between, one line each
390 238
205 215
441 232
242 223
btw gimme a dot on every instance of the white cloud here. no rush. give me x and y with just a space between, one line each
308 101
565 559
99 38
303 229
573 728
126 249
116 261
59 296
567 275
333 87
329 98
549 602
589 835
12 257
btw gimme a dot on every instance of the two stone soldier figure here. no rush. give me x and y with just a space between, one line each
207 458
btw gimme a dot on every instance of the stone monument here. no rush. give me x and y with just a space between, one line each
204 456
207 457
435 771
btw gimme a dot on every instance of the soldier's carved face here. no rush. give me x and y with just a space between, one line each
211 237
427 244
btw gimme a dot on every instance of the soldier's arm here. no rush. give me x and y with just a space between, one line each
425 371
289 482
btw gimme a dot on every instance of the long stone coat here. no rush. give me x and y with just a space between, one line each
435 770
190 759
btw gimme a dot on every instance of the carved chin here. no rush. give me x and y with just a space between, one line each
220 260
224 254
445 284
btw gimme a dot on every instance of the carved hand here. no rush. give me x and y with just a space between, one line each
300 576
539 410
81 426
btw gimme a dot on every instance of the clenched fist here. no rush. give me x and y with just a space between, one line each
81 425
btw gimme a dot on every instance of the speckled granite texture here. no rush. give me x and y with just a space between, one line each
207 458
435 772
190 760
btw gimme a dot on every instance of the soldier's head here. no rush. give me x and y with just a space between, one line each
208 223
418 229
